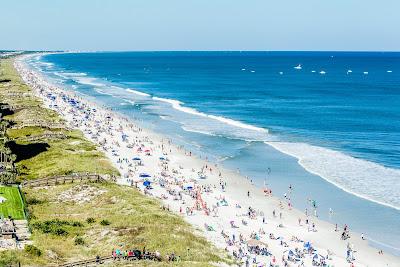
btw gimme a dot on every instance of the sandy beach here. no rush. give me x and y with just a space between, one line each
250 223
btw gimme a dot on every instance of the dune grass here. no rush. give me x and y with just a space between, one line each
60 156
133 221
121 217
13 206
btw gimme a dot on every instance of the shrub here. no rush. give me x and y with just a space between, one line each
77 224
60 231
105 222
79 241
55 227
33 201
90 220
32 250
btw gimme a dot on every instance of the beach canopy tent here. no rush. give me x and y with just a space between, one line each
316 257
256 243
144 175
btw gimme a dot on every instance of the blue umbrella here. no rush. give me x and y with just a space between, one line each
162 158
136 158
146 183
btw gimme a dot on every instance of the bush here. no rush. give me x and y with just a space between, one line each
77 224
32 250
90 220
105 222
60 231
33 201
79 241
55 227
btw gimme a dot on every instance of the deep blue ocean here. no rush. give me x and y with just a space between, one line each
328 123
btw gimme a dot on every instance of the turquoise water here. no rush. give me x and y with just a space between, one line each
338 115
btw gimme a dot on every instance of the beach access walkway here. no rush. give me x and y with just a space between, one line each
62 179
89 262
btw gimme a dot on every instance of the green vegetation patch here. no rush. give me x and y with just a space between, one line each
42 151
13 205
66 231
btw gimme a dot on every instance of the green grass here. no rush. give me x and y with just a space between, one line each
134 221
13 206
73 154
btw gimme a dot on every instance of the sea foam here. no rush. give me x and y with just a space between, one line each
363 178
176 104
137 92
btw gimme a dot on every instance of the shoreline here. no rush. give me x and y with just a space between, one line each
235 192
349 186
343 188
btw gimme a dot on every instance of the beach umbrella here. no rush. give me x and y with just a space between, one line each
144 175
162 158
136 158
146 183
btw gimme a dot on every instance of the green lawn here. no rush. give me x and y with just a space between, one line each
13 206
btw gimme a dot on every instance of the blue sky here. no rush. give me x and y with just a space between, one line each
356 25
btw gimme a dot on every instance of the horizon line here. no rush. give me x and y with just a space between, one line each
264 51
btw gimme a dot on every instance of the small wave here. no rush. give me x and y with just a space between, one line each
223 135
48 64
238 124
178 106
383 244
362 178
187 129
60 74
102 92
137 92
128 101
88 81
74 74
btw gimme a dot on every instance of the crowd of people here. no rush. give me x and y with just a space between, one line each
197 189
